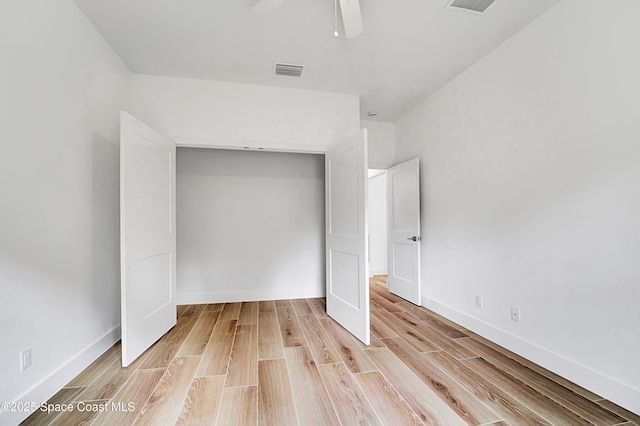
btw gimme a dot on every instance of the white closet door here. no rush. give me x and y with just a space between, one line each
346 233
403 216
147 236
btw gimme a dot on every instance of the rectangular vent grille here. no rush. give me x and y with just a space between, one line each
473 6
290 70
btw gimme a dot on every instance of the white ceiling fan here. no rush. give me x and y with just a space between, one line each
351 16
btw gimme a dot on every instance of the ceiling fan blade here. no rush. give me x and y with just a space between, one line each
351 17
264 7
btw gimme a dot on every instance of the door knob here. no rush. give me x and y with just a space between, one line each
414 238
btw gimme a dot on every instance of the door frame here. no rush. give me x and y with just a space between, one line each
182 143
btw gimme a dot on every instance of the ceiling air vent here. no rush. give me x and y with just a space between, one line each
477 7
290 70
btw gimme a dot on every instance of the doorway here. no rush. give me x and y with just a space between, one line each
394 228
377 205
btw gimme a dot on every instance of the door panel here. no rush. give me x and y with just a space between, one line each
403 212
346 235
147 236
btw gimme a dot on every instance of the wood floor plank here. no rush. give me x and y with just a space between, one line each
374 342
202 403
283 303
380 329
385 400
215 358
348 400
383 303
239 407
301 307
348 347
443 319
319 343
547 408
167 398
107 384
165 349
440 323
495 398
410 334
136 391
269 339
79 415
620 411
535 367
248 313
243 367
290 328
267 306
180 309
63 397
460 400
230 311
426 404
585 408
318 307
313 405
96 368
198 337
214 307
275 399
194 310
440 340
382 291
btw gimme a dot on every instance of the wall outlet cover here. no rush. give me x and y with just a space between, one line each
25 359
515 314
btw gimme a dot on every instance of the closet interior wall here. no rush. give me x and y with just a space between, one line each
250 225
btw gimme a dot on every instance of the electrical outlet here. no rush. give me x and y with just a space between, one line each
515 314
25 358
479 301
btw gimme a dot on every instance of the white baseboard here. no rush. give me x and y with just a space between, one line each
56 380
248 296
622 394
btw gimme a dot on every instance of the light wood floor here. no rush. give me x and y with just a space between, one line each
287 363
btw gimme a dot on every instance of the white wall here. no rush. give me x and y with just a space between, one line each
377 222
62 90
530 194
381 143
212 113
250 225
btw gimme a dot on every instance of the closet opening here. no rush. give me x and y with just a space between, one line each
250 225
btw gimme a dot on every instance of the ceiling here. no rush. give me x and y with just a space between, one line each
408 50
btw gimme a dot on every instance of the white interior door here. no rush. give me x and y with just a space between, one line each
147 236
346 231
403 216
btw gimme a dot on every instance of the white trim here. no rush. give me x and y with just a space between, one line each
372 172
609 388
184 142
248 295
375 165
57 379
